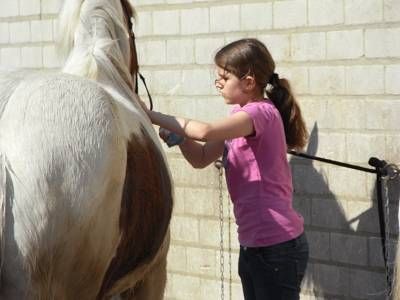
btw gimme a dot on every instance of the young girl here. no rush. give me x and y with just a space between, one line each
253 141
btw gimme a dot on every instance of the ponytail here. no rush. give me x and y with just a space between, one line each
282 97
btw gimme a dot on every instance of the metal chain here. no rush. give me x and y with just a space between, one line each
230 249
387 229
218 165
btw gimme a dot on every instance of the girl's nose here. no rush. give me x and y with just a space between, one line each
218 84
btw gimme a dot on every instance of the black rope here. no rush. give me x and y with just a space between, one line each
332 162
145 86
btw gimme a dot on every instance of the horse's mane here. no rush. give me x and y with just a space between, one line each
94 35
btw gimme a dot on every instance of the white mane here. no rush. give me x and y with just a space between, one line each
96 37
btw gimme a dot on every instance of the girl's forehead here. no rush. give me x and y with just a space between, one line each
221 71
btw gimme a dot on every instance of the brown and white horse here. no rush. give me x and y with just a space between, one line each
85 193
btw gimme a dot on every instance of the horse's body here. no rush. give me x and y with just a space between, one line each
85 194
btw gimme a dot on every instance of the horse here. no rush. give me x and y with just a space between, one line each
85 191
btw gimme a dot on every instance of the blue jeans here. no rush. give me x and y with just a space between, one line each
274 272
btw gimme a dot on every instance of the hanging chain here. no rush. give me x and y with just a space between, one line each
391 173
230 249
218 165
387 229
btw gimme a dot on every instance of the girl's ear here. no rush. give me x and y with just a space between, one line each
249 83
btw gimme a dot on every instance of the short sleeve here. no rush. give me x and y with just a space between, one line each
257 115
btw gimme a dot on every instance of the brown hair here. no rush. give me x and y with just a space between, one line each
251 57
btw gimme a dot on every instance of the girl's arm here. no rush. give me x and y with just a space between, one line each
213 134
237 125
201 155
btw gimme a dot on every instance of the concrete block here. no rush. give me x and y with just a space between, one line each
256 16
346 114
383 42
196 82
29 7
202 202
10 57
391 10
365 80
148 2
183 286
177 258
332 146
210 233
327 80
319 243
298 78
367 284
309 178
290 14
309 46
194 21
302 204
345 44
9 8
376 253
362 215
31 57
180 51
51 6
143 23
382 114
185 229
329 213
392 79
315 112
166 81
4 33
346 182
349 249
166 22
224 18
325 12
179 199
42 31
362 146
363 11
206 48
392 142
334 280
20 32
278 45
152 52
201 261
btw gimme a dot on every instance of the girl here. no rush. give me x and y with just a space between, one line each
253 141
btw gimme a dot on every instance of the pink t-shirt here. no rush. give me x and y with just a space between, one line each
259 180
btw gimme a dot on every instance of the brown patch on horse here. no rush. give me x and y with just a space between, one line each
146 209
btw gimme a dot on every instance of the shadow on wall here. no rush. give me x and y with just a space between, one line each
346 260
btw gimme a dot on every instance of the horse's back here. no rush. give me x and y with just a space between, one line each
66 162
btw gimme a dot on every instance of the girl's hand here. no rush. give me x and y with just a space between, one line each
164 134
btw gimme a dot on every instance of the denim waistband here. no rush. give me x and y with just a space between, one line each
291 243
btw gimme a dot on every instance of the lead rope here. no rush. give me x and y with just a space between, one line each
218 164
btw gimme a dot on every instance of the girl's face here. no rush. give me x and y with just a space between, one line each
230 87
236 90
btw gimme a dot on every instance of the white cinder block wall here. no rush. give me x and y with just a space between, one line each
343 59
